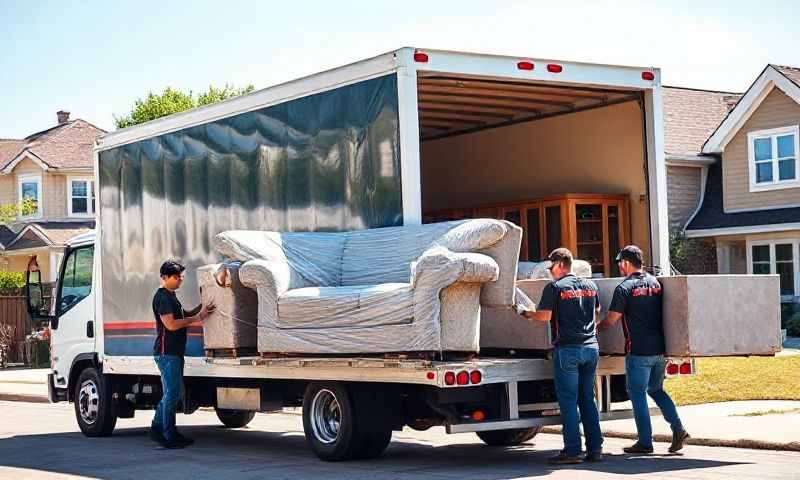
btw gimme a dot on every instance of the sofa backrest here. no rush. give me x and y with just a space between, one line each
384 255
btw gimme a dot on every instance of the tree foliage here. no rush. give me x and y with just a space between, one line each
11 211
157 105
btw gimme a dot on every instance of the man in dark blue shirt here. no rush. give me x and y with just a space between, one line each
637 302
168 351
571 304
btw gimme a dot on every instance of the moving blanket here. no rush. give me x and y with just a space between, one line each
414 288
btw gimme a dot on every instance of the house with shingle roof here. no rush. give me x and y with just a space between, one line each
54 169
748 203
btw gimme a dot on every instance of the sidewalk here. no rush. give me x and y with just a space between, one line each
24 385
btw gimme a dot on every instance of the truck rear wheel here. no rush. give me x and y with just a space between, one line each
341 423
507 438
94 404
235 418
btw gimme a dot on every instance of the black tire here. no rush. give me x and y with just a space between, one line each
235 418
341 422
95 409
507 438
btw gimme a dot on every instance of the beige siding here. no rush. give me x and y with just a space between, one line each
683 194
54 189
7 189
19 262
777 110
596 151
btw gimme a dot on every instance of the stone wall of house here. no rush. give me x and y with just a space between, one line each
701 257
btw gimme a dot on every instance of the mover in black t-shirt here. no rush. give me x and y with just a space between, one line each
637 302
168 350
571 304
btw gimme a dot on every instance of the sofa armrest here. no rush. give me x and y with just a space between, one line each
440 267
266 275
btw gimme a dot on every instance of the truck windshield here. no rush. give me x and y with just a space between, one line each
77 281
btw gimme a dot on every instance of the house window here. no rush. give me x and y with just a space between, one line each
29 195
773 158
777 257
81 202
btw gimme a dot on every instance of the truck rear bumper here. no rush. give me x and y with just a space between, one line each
535 422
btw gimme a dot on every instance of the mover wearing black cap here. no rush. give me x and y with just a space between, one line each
637 302
570 304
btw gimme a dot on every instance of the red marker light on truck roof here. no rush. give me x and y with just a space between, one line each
525 65
554 68
648 76
462 378
431 375
449 378
475 377
420 57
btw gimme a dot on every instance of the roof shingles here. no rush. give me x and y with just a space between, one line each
64 146
691 116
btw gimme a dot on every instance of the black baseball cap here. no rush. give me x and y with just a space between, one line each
631 253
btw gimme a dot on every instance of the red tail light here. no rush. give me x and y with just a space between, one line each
475 377
672 369
686 368
650 76
554 68
478 415
449 378
525 66
431 375
420 57
462 378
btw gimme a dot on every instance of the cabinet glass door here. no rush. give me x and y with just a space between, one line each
614 240
589 235
533 236
552 229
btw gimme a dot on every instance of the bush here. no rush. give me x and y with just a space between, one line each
11 282
787 311
793 326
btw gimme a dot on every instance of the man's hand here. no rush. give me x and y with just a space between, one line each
207 310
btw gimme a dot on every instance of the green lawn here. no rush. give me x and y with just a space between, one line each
726 379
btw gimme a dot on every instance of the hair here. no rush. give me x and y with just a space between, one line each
170 268
562 256
633 254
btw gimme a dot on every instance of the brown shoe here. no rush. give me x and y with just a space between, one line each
563 459
678 439
638 448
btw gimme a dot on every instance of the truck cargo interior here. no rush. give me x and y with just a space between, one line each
566 163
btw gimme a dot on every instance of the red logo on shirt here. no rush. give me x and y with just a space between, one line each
567 294
646 291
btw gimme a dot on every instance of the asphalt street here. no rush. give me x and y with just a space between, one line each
42 441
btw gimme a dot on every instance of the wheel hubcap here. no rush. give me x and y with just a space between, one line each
88 401
326 416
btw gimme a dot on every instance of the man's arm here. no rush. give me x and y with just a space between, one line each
618 303
611 319
539 315
171 323
192 312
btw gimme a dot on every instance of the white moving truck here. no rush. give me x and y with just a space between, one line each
376 143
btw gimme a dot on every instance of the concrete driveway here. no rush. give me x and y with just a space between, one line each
41 441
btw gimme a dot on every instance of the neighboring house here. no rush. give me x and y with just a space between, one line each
53 167
690 117
750 200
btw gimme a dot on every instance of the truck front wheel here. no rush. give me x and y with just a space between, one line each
94 404
235 418
507 438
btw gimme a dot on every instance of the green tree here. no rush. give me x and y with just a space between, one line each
11 211
157 105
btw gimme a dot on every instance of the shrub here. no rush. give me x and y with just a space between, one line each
11 282
793 326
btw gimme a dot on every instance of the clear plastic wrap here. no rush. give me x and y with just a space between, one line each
232 325
378 290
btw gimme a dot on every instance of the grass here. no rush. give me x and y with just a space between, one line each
773 411
728 379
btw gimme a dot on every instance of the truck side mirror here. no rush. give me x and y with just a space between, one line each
34 293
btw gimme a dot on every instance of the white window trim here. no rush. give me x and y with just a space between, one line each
795 243
26 178
772 134
90 211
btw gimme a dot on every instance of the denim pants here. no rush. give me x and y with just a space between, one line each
575 368
645 376
171 368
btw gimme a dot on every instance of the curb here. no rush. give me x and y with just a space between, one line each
705 442
23 397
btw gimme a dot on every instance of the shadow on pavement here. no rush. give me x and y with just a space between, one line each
245 453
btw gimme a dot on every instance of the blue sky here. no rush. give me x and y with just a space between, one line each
96 58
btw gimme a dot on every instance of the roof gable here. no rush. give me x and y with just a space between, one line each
70 145
786 79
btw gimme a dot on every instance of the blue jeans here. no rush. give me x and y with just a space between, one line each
171 368
575 368
645 376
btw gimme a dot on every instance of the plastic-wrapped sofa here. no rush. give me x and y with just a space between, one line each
395 289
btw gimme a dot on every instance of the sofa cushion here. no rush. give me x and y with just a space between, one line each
350 306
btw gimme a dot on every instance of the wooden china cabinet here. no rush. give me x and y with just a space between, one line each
593 226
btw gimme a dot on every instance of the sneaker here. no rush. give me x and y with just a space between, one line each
184 440
596 456
156 436
678 438
171 444
638 448
563 459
